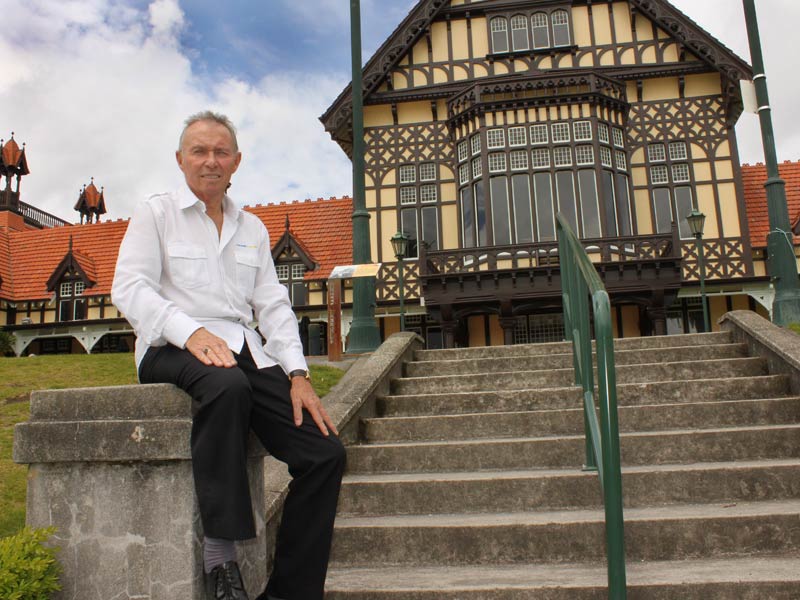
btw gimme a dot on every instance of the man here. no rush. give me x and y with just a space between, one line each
193 272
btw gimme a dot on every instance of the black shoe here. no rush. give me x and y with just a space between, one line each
225 583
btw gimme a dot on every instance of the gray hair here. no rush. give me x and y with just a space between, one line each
208 115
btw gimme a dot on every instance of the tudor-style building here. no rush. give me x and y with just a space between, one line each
484 118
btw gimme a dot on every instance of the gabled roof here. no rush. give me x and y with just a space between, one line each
38 255
323 229
291 244
706 47
74 261
755 195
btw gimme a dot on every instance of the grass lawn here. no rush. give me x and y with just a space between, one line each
20 376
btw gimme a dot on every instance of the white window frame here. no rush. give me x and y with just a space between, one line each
678 151
621 160
65 289
657 153
560 133
519 23
680 173
463 173
427 171
603 133
605 157
543 24
560 153
560 18
659 175
496 139
428 193
619 137
517 136
298 271
539 134
463 150
282 271
536 158
475 144
497 162
477 168
582 131
584 155
408 195
408 174
499 25
519 160
80 286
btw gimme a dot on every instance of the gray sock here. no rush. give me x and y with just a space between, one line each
216 552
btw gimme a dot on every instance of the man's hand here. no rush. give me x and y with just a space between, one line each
304 396
209 349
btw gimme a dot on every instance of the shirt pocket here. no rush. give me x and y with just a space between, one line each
246 269
188 265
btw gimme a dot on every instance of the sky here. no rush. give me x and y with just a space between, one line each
100 88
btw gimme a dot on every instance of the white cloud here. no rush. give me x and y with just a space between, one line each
103 90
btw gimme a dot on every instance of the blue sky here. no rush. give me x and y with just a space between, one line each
99 88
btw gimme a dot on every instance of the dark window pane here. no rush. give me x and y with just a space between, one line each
624 205
480 213
499 28
683 206
561 28
541 30
65 310
80 309
299 294
589 208
520 38
566 198
609 203
408 219
500 214
430 227
663 208
523 218
545 217
467 218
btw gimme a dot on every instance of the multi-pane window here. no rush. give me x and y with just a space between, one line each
463 174
602 132
499 28
605 157
475 144
298 270
584 155
291 276
408 195
622 161
659 175
519 160
496 138
477 168
283 272
560 20
540 158
497 162
463 151
71 307
680 173
582 131
427 172
408 174
560 132
677 151
428 193
539 134
541 30
516 136
562 156
619 139
519 33
656 153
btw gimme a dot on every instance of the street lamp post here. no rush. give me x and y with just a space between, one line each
781 257
364 333
400 246
697 221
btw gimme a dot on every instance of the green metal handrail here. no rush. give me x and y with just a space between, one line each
579 280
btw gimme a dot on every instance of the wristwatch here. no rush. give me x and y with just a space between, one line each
299 373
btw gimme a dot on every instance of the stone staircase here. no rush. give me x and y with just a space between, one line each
469 484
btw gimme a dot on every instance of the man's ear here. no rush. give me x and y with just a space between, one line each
238 160
179 158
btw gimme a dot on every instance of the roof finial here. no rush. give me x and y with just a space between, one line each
287 221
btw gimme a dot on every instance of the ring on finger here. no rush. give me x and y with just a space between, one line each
206 350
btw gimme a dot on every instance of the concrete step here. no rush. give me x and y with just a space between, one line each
663 341
651 534
558 489
658 447
570 421
553 378
564 361
751 578
669 392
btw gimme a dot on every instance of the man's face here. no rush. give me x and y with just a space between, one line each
208 159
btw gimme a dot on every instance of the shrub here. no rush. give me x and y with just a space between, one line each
28 568
7 342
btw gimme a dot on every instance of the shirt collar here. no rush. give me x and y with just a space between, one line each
187 199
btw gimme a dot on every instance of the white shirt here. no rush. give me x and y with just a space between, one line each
176 274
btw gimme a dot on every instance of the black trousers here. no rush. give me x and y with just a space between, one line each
227 403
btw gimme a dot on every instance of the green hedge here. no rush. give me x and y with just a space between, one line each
28 568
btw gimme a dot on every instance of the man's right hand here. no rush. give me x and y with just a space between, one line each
210 349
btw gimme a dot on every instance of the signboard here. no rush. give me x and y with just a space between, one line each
353 271
334 320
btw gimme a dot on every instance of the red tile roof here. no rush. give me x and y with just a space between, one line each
29 258
755 195
323 227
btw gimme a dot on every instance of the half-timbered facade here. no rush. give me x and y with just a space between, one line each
485 118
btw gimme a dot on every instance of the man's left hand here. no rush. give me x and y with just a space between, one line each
304 396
